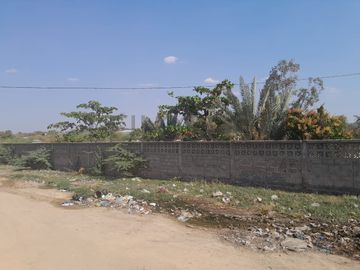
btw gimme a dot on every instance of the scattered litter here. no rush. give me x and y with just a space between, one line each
108 197
119 200
185 216
267 248
315 204
98 194
267 232
217 194
103 203
294 244
226 200
67 203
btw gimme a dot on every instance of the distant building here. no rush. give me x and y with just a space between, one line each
132 121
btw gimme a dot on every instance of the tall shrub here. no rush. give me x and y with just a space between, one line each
124 162
37 160
6 155
317 124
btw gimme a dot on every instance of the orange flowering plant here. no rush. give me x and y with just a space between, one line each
312 125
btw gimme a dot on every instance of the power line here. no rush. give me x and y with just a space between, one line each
93 88
325 77
336 76
150 87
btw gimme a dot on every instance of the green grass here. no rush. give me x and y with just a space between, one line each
198 195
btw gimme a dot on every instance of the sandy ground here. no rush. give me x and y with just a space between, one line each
35 234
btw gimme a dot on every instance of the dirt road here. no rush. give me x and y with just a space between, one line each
34 234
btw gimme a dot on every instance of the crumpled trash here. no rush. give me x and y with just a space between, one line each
217 193
185 216
315 204
67 203
226 200
103 203
294 244
108 197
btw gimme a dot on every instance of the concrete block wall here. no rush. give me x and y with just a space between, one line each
327 166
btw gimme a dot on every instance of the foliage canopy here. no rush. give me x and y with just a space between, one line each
221 113
96 123
319 124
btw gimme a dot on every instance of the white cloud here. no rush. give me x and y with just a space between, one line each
73 79
11 71
170 59
211 81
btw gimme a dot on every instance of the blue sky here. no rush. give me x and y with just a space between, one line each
124 43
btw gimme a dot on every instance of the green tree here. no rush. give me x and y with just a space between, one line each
202 113
219 114
241 114
95 123
355 127
275 98
306 98
266 119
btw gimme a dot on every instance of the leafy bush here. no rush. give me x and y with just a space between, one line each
123 161
318 124
37 160
98 168
6 155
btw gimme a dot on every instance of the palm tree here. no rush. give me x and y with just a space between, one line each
240 115
266 119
